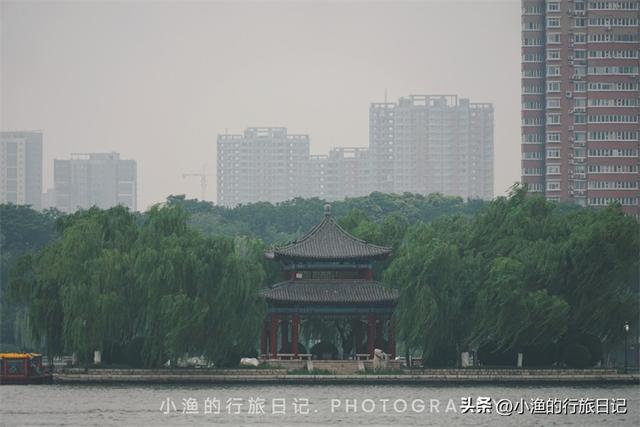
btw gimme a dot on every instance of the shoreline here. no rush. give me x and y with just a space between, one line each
277 376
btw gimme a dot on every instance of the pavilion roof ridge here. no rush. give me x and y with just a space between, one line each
327 240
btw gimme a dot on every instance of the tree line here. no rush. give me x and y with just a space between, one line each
518 274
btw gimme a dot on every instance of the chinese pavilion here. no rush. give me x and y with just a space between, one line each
328 275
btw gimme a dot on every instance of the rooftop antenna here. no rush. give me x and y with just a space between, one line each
203 179
385 95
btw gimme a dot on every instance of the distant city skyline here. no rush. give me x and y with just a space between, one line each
157 82
420 144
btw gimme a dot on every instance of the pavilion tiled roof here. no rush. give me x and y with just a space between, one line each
328 241
330 292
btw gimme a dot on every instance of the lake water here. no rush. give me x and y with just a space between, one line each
318 405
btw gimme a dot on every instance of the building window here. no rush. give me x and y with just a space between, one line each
531 171
532 138
553 6
532 155
532 105
553 169
613 70
553 119
531 42
580 87
613 168
553 38
553 137
553 153
604 201
613 185
531 26
553 185
553 70
532 57
553 86
535 187
553 54
553 102
613 152
613 136
532 121
532 73
532 10
533 89
553 22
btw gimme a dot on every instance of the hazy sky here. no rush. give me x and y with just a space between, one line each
157 81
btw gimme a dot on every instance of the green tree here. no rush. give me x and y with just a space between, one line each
112 281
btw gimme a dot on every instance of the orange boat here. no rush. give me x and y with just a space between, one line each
23 368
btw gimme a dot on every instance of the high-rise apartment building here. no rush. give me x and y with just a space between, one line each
21 168
433 143
264 164
344 172
95 179
318 169
580 101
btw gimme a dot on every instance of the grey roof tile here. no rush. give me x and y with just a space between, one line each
328 241
330 292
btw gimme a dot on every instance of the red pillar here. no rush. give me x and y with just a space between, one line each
273 342
263 339
392 337
295 327
284 338
371 334
369 274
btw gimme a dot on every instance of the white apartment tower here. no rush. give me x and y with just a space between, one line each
95 179
21 168
264 164
433 143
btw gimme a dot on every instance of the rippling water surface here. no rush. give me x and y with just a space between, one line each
320 405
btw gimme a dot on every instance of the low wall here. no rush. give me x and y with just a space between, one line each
275 376
512 371
289 365
270 370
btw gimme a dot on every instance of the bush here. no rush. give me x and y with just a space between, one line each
324 350
577 356
441 358
541 355
489 356
594 345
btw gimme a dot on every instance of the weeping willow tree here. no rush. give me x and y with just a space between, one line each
142 290
436 290
524 275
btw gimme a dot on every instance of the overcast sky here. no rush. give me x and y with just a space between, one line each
157 81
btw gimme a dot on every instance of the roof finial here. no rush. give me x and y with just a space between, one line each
327 210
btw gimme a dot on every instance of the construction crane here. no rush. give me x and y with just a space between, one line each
203 179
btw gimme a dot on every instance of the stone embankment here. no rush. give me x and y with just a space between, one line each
279 375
